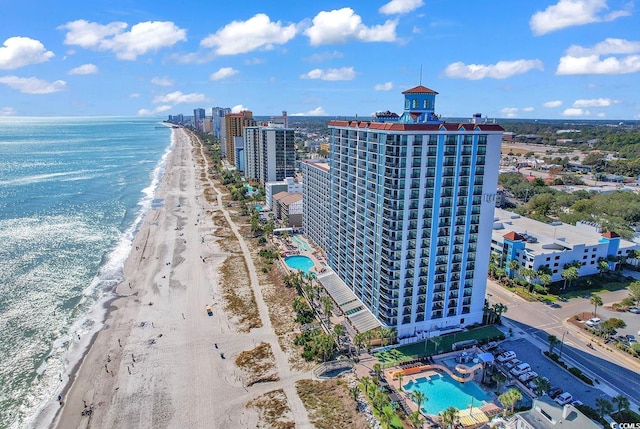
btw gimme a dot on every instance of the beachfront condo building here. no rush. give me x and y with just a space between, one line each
316 201
217 117
269 152
198 118
234 124
409 215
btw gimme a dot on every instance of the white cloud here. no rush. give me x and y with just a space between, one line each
318 111
127 45
159 109
240 37
32 85
509 112
551 104
573 111
581 60
253 61
343 25
528 109
592 64
500 70
607 46
21 51
316 58
568 13
595 102
162 81
400 6
178 97
134 95
343 73
238 108
601 115
85 69
387 86
223 73
7 111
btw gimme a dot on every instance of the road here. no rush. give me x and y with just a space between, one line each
616 371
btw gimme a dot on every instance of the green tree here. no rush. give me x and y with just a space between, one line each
418 397
399 376
386 417
542 385
553 341
448 417
596 301
513 268
604 407
499 378
634 291
416 420
603 266
338 330
510 397
621 402
354 392
569 275
377 370
499 309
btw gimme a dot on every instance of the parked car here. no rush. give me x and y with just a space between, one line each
593 322
564 398
529 375
554 391
576 403
631 338
634 310
520 369
506 356
512 363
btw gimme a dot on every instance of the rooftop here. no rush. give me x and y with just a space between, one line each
546 414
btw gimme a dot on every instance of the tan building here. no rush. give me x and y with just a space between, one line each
234 123
288 206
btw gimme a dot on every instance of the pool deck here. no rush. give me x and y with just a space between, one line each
288 247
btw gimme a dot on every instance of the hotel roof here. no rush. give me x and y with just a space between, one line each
547 237
396 126
419 90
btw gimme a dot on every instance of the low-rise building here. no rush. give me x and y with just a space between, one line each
288 206
547 414
534 244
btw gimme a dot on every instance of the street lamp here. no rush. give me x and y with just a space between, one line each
562 343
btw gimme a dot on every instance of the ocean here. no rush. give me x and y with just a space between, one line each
73 193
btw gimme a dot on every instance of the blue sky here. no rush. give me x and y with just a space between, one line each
504 58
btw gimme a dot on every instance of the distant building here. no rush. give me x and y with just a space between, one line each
316 205
269 152
234 125
548 414
534 244
288 207
281 120
287 185
198 119
238 150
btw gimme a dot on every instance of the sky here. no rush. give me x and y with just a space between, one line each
543 59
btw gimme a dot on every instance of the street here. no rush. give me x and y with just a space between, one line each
616 371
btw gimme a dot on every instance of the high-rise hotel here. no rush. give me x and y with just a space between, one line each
408 221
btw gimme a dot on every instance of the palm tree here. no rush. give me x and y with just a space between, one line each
448 417
542 385
365 384
399 376
386 417
419 397
499 309
387 334
569 274
622 402
416 419
499 378
596 301
553 341
377 370
604 407
513 266
354 392
510 397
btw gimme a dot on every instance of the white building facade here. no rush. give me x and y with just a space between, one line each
316 202
410 215
269 152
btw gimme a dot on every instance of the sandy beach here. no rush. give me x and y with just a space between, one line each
161 360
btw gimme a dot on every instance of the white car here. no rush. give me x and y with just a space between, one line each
520 369
564 398
593 322
634 310
576 403
529 375
506 356
512 363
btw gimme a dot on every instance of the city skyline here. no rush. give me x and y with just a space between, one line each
556 59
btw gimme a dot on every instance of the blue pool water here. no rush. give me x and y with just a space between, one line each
302 245
443 392
298 262
258 207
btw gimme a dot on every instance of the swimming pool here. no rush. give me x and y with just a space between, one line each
258 207
298 262
443 392
302 245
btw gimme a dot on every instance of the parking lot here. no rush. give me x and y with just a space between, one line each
558 376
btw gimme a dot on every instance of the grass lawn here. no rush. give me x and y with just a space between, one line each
435 345
598 287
